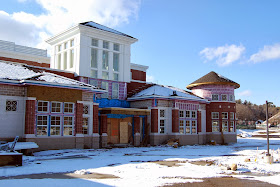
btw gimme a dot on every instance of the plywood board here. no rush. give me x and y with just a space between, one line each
124 132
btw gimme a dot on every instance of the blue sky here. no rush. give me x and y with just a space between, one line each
180 40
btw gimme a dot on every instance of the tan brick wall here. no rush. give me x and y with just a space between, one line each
87 96
11 90
141 104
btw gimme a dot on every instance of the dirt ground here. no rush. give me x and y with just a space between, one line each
225 181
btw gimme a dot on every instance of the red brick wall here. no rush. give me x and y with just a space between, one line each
154 120
32 63
30 111
138 75
11 90
95 119
175 120
198 121
103 124
136 124
79 118
215 107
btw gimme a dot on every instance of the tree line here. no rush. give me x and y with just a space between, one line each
247 111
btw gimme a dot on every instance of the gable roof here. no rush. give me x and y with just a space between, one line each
167 92
213 78
104 28
23 74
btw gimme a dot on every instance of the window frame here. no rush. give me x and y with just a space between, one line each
48 106
226 97
215 126
225 125
194 114
56 102
50 125
47 131
215 99
73 108
13 108
64 126
226 116
212 115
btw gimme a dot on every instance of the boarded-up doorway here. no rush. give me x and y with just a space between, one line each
124 132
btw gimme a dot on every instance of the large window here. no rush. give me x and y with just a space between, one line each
65 55
215 126
181 127
224 97
187 121
225 126
188 114
105 86
193 114
194 127
115 90
188 128
224 115
105 45
94 42
93 58
232 126
116 47
54 118
105 60
116 61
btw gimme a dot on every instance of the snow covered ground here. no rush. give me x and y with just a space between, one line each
137 166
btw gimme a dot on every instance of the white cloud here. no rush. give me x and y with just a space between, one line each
150 78
269 52
58 15
245 93
224 55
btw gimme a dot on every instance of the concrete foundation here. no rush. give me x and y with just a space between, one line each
104 139
137 139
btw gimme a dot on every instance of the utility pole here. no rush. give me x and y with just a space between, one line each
267 127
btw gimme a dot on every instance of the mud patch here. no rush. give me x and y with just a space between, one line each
62 176
204 162
173 163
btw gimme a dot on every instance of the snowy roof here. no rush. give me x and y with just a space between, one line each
24 74
213 78
104 28
165 92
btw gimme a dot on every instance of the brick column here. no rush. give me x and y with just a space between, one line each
95 127
175 120
95 119
30 115
103 132
79 118
136 131
154 120
79 126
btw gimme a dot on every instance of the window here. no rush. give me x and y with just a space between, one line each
215 115
65 45
93 82
59 61
71 43
94 58
105 64
68 107
225 126
231 97
215 97
232 115
105 75
105 86
181 113
224 97
71 58
161 126
59 48
116 47
11 105
55 125
93 73
116 77
42 125
85 109
56 107
162 113
224 115
105 45
115 90
194 114
193 127
65 60
188 114
43 106
232 126
181 127
188 129
94 42
85 126
68 125
116 61
215 126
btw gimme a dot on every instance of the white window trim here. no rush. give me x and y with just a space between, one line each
48 107
212 97
49 125
217 126
162 118
195 127
231 116
73 126
193 111
73 109
223 125
224 113
60 107
224 95
42 125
